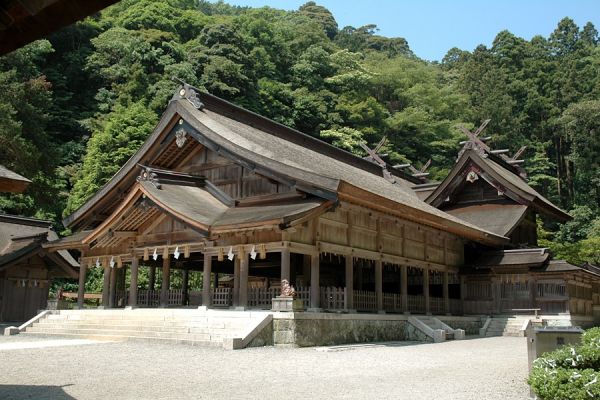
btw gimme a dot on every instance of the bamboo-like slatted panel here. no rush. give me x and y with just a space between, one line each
416 304
456 307
478 290
478 307
303 293
148 298
436 305
392 302
552 306
221 297
332 298
551 290
175 297
261 297
365 300
516 290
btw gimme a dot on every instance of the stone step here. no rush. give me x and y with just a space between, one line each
128 333
222 324
143 328
121 338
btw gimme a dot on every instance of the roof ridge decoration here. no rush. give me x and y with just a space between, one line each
189 93
376 158
479 145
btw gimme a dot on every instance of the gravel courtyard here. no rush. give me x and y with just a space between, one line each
487 368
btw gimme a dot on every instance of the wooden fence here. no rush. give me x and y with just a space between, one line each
365 300
392 302
332 298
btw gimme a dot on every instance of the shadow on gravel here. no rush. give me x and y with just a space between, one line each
19 392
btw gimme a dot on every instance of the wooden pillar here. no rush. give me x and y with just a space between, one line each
81 288
186 278
166 282
106 286
112 286
236 282
152 277
285 264
426 290
446 293
133 285
404 288
206 292
349 297
379 284
243 298
315 289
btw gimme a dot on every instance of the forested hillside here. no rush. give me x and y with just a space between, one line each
75 107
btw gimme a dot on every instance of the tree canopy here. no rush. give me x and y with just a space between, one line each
75 106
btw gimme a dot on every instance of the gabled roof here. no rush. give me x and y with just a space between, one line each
280 153
494 217
199 205
11 181
507 181
22 237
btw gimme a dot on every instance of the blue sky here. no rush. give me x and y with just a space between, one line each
433 27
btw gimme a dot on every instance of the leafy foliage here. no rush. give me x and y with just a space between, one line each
74 107
570 372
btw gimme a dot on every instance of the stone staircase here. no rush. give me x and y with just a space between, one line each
189 326
507 326
436 329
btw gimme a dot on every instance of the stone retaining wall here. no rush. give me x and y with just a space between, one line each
324 329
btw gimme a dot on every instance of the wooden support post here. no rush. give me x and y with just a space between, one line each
243 298
426 290
236 282
446 293
206 292
166 282
106 287
186 279
133 285
152 277
285 264
113 287
379 285
404 288
349 297
315 289
81 288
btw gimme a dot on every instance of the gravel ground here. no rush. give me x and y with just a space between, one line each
487 368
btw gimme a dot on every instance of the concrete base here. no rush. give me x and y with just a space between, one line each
203 308
314 310
129 308
238 308
286 304
11 330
